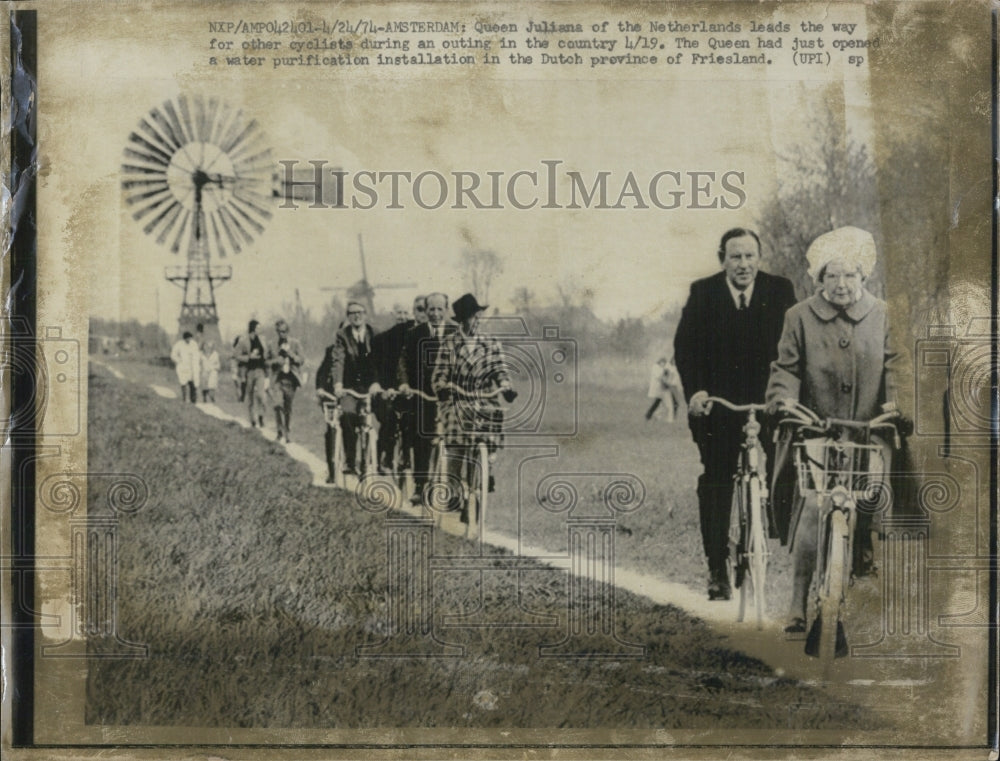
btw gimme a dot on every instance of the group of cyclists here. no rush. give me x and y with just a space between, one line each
427 379
742 344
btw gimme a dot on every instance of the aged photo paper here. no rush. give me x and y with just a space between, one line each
233 527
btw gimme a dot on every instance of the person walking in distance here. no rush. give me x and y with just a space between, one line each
286 377
252 349
209 371
725 342
186 357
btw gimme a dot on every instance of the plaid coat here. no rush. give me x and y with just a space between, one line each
473 363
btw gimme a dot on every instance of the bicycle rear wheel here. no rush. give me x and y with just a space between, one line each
398 472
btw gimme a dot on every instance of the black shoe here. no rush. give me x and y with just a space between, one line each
331 480
796 626
416 498
349 471
260 421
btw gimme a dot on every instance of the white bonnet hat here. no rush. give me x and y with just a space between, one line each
851 245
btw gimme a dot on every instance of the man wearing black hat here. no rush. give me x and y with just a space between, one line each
252 350
475 364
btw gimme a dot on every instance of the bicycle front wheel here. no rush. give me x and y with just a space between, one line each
338 458
736 558
832 583
757 552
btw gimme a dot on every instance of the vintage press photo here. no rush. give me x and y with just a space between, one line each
369 368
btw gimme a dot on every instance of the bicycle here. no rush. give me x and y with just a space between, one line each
746 564
404 462
367 434
475 473
838 473
331 414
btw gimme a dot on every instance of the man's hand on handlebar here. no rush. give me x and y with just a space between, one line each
509 394
699 405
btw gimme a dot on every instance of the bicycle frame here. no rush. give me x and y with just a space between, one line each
749 552
836 472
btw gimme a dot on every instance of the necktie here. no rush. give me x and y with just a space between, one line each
743 301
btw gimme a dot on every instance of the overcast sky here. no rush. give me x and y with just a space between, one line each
636 262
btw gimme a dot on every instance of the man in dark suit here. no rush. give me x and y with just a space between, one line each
725 342
352 366
416 364
387 347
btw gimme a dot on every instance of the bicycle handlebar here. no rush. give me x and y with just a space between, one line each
806 418
736 407
476 394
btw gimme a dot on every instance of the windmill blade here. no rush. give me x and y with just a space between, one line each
252 142
229 233
200 127
147 194
129 184
234 205
236 223
175 122
164 124
361 251
148 147
138 214
217 113
175 214
159 217
230 147
158 134
217 236
134 169
241 198
186 119
175 247
151 162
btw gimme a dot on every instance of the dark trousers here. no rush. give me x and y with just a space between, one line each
329 439
283 406
189 392
424 434
385 412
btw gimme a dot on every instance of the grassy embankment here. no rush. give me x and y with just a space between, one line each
253 589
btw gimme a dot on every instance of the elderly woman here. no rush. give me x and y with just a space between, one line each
834 358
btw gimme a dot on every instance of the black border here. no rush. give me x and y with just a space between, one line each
23 103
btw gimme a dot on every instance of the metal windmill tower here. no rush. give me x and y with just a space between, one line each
201 178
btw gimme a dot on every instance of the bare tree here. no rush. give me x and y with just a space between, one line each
524 300
825 182
480 267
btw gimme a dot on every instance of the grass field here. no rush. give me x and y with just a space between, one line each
253 589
